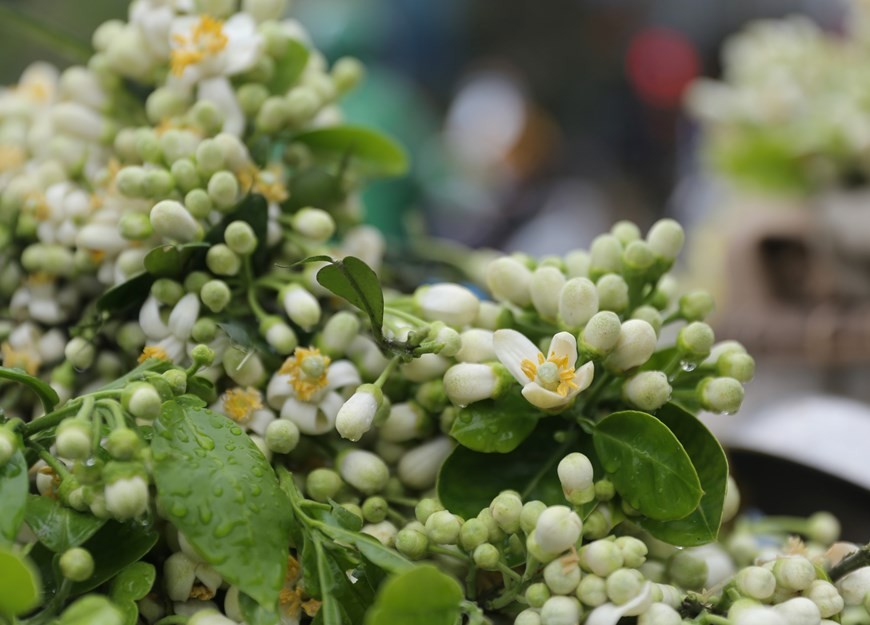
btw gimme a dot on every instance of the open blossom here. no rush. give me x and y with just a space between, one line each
205 47
549 381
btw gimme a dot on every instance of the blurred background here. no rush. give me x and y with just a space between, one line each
534 126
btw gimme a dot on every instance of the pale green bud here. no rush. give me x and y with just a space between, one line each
736 365
223 189
537 594
279 335
171 220
282 436
323 484
251 97
176 379
164 103
198 203
73 439
633 551
245 368
142 400
472 534
215 294
577 264
793 573
687 570
755 582
592 591
126 498
123 444
546 289
180 145
240 238
509 280
426 507
135 226
221 260
601 557
601 333
77 564
148 145
558 528
666 238
721 395
696 305
412 544
650 315
79 352
625 231
8 446
612 292
158 183
695 340
623 585
131 338
131 181
209 157
302 104
443 527
347 72
562 575
363 470
660 614
204 330
638 257
529 515
273 115
636 343
338 333
419 467
575 475
506 509
447 302
823 528
647 390
466 382
486 556
167 291
560 611
356 415
826 597
578 302
406 421
799 611
605 256
207 116
186 177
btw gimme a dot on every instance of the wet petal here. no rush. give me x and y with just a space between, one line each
512 348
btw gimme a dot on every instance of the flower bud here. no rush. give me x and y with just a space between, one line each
419 467
505 510
695 340
623 585
338 333
529 515
625 231
123 444
755 582
558 529
577 264
560 611
158 183
486 556
696 305
509 280
854 586
799 611
172 221
282 436
8 446
135 226
221 260
466 383
660 614
721 395
302 104
562 575
635 345
647 390
476 346
79 352
216 295
323 484
223 190
208 616
612 292
347 72
363 470
77 564
412 543
127 498
545 289
384 531
240 238
443 527
666 238
605 256
633 551
601 557
450 303
528 616
736 365
537 594
823 528
472 534
592 591
405 422
301 306
273 115
794 573
251 97
575 475
198 203
356 415
578 302
167 291
826 597
424 368
688 570
638 257
141 400
279 335
73 439
314 224
601 334
244 368
425 507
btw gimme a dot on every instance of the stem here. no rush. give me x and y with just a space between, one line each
56 465
471 582
50 420
852 562
713 619
403 501
114 409
174 619
447 552
503 600
509 572
596 389
56 39
402 314
256 308
386 372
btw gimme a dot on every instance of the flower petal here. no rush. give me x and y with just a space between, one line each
304 415
538 396
260 420
149 319
278 390
583 378
342 373
512 348
219 92
563 344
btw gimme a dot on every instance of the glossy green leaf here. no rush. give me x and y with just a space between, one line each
127 295
529 469
57 527
169 261
92 610
46 394
495 426
202 388
256 614
346 518
134 582
288 67
129 609
702 525
20 587
14 486
220 491
353 280
115 547
422 596
371 549
330 610
376 153
315 186
647 464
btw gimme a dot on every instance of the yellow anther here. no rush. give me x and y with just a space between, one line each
241 403
206 39
19 359
300 365
153 351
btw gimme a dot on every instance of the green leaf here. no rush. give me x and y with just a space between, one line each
115 547
254 210
20 587
702 525
13 493
314 186
221 492
345 517
422 596
329 612
202 388
371 549
92 610
647 464
169 261
353 280
134 582
129 609
376 153
495 426
46 394
57 527
529 469
288 67
256 614
127 295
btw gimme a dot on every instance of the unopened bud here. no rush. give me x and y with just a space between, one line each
314 223
363 470
647 390
736 365
695 340
721 395
282 436
578 302
755 582
79 352
301 306
695 306
73 439
636 343
560 611
171 220
486 556
546 288
666 238
612 292
450 303
356 415
412 543
509 280
77 564
419 467
240 238
443 527
558 529
575 474
216 295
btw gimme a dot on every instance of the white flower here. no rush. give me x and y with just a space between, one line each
548 381
205 47
169 340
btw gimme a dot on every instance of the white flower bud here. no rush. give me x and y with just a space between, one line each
601 333
424 368
529 516
560 611
143 401
73 439
562 575
385 532
80 121
636 343
592 590
854 586
578 302
826 597
405 422
442 527
695 340
577 264
799 611
528 616
209 616
476 346
756 615
558 529
77 564
732 500
279 335
467 382
179 573
244 368
363 470
314 224
127 498
575 475
666 238
419 467
545 289
756 582
506 509
605 255
612 292
489 315
301 306
601 557
171 220
823 527
633 551
509 280
338 333
472 534
356 415
450 303
647 390
660 614
721 395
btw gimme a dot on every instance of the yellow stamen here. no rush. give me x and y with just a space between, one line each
302 382
566 373
201 592
11 157
241 403
35 203
268 183
206 39
293 569
39 277
311 607
153 351
19 359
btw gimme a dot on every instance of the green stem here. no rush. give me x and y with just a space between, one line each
713 619
504 600
56 39
447 552
403 501
174 619
56 465
251 289
852 562
471 581
386 372
402 314
673 365
114 410
509 572
50 420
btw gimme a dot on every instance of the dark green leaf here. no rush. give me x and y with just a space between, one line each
288 67
127 295
702 525
308 561
256 614
130 610
346 518
353 280
495 426
115 547
647 464
530 469
92 610
57 527
169 261
13 495
221 492
202 388
314 186
46 394
376 153
134 582
422 596
20 588
371 549
329 612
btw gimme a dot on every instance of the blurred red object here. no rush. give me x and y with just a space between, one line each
660 63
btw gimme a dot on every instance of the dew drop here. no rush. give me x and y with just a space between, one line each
178 510
687 366
205 514
230 446
217 491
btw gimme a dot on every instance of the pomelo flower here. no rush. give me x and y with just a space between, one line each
548 381
205 47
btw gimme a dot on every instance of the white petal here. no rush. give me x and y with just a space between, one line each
564 344
174 348
184 315
219 92
278 390
609 614
149 319
329 407
512 348
260 420
583 378
342 373
538 396
304 415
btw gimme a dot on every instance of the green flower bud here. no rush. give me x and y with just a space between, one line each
240 238
597 524
486 557
374 509
666 238
282 436
633 551
198 203
577 264
73 439
131 338
647 390
506 509
687 570
158 183
141 400
736 365
755 582
167 291
601 557
696 305
135 226
509 280
126 498
466 382
209 157
560 611
558 528
302 104
221 260
638 257
204 356
77 564
323 484
180 146
650 315
443 527
578 302
245 368
131 181
601 333
419 467
123 444
472 534
793 573
592 591
8 446
186 177
823 528
363 470
660 614
546 289
204 330
537 594
798 610
79 352
575 475
425 508
529 515
216 295
148 145
273 115
721 395
695 340
625 231
251 97
636 343
431 396
223 189
605 256
177 380
412 544
207 116
347 72
278 335
171 220
562 575
164 103
338 333
623 585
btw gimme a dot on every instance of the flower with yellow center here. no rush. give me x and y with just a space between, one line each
307 369
268 182
549 382
204 47
25 359
153 351
239 404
